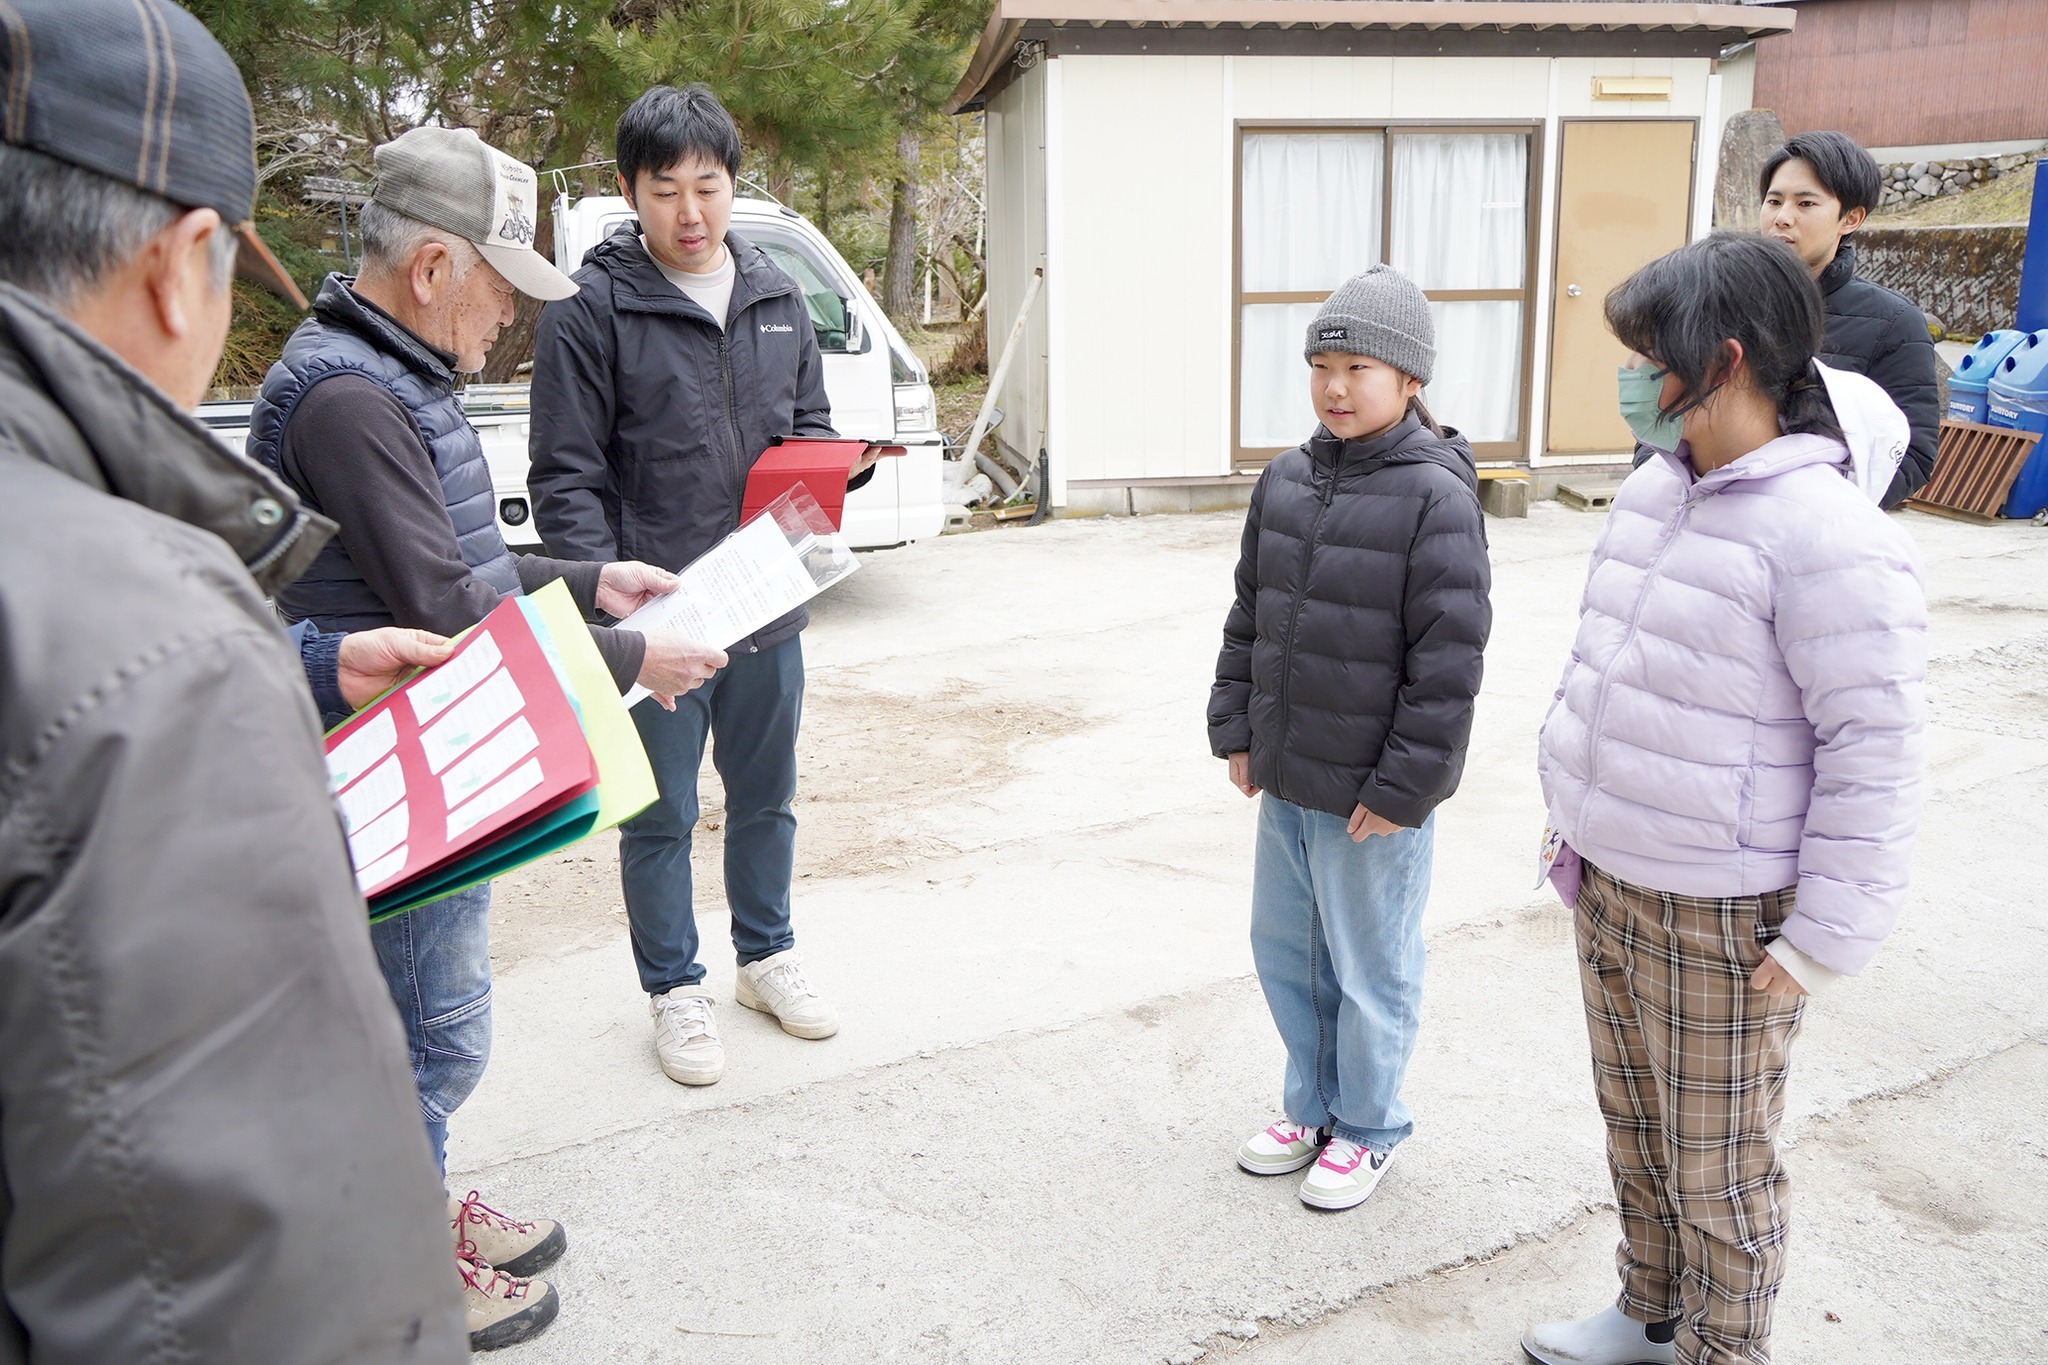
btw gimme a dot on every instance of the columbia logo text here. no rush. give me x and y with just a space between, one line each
768 327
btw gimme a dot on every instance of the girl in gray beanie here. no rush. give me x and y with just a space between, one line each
1344 693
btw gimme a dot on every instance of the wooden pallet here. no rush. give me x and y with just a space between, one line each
1974 469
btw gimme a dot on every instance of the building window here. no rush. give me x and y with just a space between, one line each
1450 207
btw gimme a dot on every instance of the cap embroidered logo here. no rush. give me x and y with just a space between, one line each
513 193
1333 334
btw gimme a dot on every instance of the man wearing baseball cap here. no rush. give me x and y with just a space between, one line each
361 418
209 1148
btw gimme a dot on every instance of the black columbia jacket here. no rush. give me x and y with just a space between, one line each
210 1142
647 417
1351 657
1879 332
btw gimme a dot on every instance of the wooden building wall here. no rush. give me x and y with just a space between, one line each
1911 73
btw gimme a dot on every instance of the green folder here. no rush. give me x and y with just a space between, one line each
548 832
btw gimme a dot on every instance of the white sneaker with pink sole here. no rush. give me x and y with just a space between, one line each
1281 1149
1345 1175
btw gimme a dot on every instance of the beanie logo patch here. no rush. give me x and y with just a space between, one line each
1333 334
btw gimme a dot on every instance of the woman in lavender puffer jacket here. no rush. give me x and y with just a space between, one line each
1733 768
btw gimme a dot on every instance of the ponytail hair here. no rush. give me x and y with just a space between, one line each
1682 310
1806 406
1420 412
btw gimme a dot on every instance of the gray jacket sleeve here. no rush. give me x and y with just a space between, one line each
573 411
213 1149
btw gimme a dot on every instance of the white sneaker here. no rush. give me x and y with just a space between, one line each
776 985
1344 1176
1609 1337
686 1036
1281 1149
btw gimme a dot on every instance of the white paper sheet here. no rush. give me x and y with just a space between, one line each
378 792
470 720
751 578
384 867
487 762
524 779
433 694
380 836
353 756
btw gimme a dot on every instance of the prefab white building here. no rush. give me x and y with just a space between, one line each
1195 176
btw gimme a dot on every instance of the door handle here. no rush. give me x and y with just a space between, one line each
1573 291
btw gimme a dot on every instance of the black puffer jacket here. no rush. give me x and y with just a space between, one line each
647 417
1878 332
1352 654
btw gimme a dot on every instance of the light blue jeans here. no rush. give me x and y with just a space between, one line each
1337 938
437 964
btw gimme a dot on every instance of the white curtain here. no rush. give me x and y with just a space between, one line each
1312 204
1311 209
1477 387
1275 411
1461 222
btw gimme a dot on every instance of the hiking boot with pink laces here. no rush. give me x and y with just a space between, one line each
503 1309
504 1243
777 985
1345 1175
1281 1149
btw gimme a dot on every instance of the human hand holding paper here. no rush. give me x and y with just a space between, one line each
372 662
628 585
765 570
676 664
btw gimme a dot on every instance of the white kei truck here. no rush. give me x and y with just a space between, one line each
880 391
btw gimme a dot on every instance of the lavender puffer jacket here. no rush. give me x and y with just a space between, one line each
1745 701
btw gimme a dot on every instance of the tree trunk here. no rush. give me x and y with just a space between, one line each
899 279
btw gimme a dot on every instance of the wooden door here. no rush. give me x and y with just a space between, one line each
1624 198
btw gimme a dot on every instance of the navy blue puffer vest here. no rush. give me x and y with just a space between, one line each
347 336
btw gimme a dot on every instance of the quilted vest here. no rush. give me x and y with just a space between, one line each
347 336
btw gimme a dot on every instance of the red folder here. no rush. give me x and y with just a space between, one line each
458 756
821 466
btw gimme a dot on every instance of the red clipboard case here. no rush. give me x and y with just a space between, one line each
819 465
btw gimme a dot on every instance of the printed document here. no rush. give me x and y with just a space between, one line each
754 576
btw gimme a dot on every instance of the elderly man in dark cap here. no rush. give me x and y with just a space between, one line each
209 1138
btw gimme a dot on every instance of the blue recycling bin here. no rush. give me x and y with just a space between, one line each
1967 396
2018 397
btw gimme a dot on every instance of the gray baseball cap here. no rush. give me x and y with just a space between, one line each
452 179
140 92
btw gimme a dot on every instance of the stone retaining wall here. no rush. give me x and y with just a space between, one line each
1913 182
1965 278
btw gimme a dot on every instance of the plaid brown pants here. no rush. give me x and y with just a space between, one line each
1689 1063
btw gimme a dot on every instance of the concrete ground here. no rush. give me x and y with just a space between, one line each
1025 883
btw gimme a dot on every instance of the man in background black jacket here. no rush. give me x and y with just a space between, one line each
1816 190
683 354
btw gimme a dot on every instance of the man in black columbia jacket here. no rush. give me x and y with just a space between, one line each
1816 190
210 1148
683 355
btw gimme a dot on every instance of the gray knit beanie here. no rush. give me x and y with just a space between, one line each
1381 314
